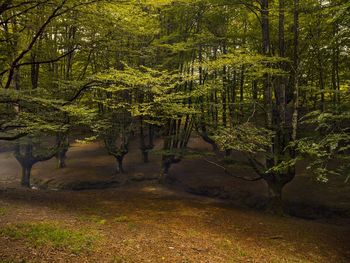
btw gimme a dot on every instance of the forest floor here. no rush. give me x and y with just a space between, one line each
142 221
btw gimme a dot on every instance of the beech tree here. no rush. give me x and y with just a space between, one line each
247 76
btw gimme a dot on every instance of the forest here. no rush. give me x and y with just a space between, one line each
175 131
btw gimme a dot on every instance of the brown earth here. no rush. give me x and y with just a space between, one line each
166 224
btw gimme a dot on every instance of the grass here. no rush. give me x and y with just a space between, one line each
42 234
93 219
3 211
226 245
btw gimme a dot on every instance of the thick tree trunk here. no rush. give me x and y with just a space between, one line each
275 205
26 171
61 159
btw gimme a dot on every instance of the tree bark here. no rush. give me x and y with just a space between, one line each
26 171
61 159
164 171
120 169
145 156
275 205
265 30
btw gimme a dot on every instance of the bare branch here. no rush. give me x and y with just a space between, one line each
235 176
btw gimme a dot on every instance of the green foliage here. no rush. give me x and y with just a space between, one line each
244 138
329 147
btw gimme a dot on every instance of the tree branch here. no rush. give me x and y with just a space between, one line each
13 137
40 62
77 94
31 44
235 176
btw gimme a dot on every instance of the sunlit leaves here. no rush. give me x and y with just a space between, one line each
245 137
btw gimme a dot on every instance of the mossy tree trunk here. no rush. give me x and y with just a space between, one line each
27 157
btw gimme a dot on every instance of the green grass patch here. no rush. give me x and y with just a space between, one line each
93 219
51 234
3 211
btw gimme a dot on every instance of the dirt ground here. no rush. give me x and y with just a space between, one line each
168 224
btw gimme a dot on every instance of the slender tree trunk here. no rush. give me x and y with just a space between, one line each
233 98
265 29
241 92
255 90
335 68
164 170
224 92
119 168
296 74
145 156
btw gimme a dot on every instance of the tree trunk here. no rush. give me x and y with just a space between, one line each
61 159
164 171
120 168
62 142
145 156
265 30
255 90
275 198
25 180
